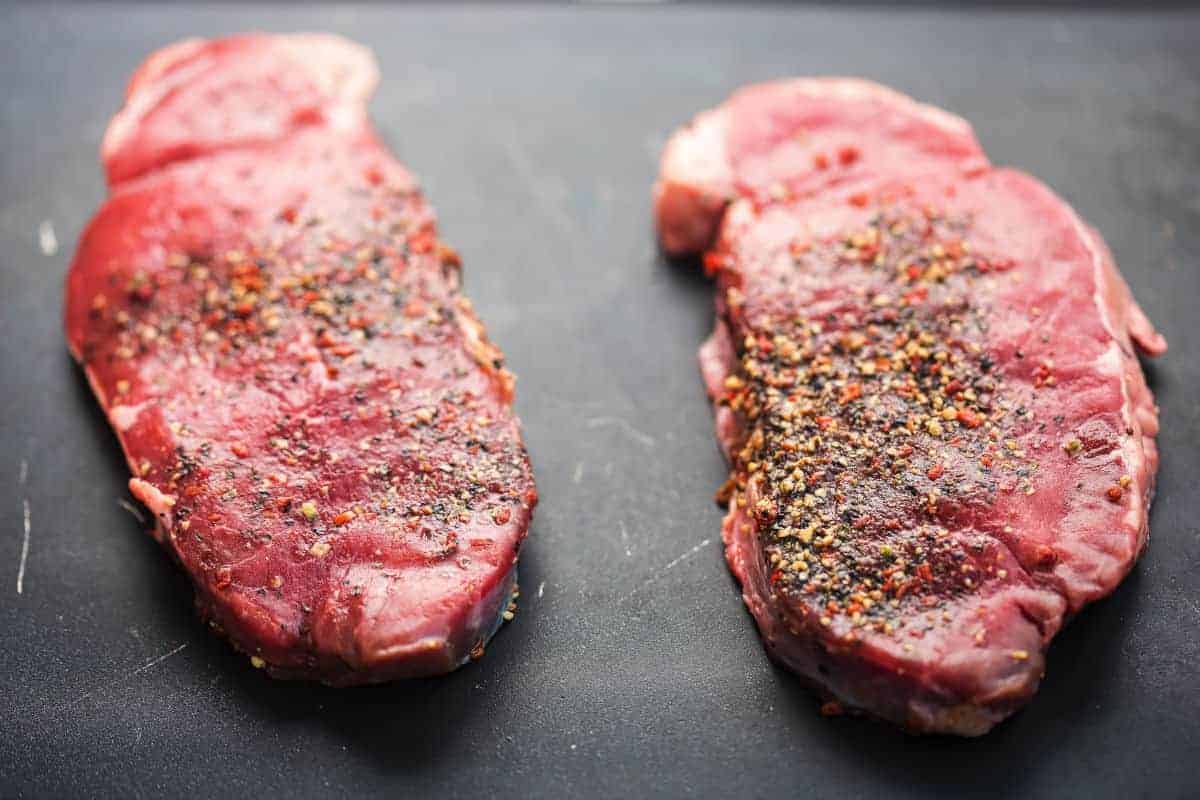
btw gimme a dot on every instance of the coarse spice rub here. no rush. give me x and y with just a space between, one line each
854 415
924 378
308 404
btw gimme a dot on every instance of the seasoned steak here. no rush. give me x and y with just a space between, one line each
307 402
942 441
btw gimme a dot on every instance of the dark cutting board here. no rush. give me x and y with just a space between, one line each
632 668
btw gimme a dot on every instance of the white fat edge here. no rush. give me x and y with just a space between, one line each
1112 362
124 417
159 503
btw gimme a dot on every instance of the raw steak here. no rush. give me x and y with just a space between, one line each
925 380
308 404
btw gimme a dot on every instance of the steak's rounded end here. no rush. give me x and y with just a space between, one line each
694 185
782 139
389 635
202 96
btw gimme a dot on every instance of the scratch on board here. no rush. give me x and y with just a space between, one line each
538 187
674 563
541 589
24 546
668 567
47 241
639 436
132 509
154 662
625 538
578 476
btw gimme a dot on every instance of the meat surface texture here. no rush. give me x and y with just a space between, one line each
924 377
307 402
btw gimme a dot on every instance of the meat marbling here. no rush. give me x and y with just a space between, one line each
924 377
307 402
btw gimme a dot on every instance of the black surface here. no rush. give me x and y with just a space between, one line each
632 667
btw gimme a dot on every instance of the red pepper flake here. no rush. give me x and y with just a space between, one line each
1045 557
847 156
852 391
1114 493
1042 376
501 515
821 161
969 418
373 176
999 264
244 269
239 449
448 255
343 518
935 472
713 262
422 243
859 199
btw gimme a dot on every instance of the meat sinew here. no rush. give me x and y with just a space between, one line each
924 377
307 403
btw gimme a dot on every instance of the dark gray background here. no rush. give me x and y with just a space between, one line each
631 668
